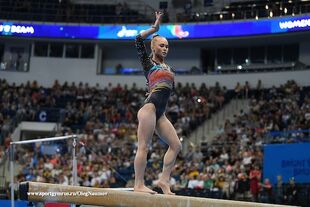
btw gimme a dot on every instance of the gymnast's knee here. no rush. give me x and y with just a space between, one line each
177 147
143 148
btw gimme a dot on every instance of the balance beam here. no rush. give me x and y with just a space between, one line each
112 198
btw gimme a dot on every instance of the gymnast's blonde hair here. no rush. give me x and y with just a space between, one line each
153 41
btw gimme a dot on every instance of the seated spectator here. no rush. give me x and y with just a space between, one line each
242 186
208 182
265 191
291 193
279 191
194 182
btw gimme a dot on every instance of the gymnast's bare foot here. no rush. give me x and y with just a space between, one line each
165 187
144 189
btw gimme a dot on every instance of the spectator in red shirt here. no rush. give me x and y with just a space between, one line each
255 177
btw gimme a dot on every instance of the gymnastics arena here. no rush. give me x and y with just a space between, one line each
196 103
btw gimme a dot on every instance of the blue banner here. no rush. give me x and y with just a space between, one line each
170 31
48 115
7 203
287 160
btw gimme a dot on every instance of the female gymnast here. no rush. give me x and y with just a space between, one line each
151 117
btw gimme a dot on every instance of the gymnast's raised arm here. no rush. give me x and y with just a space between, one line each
155 26
139 43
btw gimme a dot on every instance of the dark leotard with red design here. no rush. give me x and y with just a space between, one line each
160 79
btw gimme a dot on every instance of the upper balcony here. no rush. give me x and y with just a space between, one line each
73 12
242 9
137 11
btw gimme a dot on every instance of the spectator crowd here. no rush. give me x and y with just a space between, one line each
230 167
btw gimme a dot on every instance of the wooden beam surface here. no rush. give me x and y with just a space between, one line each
41 192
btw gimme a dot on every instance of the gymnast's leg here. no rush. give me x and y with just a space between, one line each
166 131
146 127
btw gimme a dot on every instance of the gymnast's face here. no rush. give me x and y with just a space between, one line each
159 46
